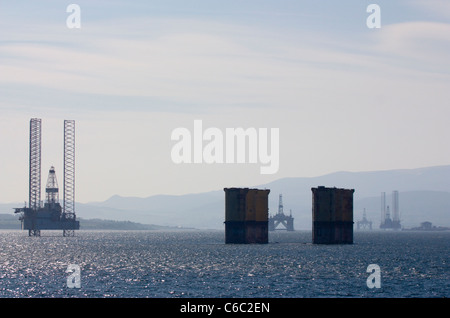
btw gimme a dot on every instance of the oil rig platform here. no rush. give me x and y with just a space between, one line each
364 224
50 216
387 222
287 221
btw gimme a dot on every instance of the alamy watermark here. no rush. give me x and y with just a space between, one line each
374 279
73 21
235 145
74 279
374 19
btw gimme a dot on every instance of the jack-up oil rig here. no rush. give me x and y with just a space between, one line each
50 216
388 223
280 218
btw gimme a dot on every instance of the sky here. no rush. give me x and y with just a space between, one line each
345 97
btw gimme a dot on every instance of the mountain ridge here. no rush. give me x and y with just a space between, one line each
424 196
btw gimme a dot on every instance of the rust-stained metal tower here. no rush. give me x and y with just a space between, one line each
332 215
246 215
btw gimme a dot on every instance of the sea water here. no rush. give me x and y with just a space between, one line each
198 264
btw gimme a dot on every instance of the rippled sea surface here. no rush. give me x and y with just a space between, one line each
199 264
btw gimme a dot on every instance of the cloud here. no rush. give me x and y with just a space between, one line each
422 46
198 64
193 65
440 8
359 93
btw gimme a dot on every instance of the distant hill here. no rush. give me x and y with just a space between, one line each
11 222
99 224
424 195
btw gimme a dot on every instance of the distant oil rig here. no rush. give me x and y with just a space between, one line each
386 221
287 221
364 224
50 216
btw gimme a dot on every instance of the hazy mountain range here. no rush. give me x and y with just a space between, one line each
424 195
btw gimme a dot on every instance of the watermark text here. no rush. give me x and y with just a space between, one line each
74 279
374 279
374 19
73 21
235 145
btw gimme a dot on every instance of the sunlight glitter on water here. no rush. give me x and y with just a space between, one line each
199 264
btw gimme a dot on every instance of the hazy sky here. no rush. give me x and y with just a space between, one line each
344 97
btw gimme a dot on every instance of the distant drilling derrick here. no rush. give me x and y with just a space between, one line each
51 211
280 218
52 190
386 221
51 216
